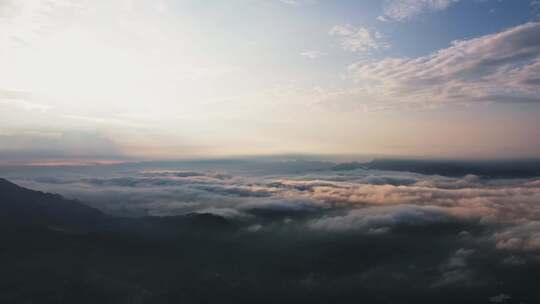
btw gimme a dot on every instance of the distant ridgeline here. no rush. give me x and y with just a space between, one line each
454 168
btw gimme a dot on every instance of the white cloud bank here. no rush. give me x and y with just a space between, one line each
364 201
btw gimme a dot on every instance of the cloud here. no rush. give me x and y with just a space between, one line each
296 2
312 54
467 198
456 269
228 213
459 259
254 228
380 219
453 277
290 2
501 298
523 237
463 198
282 205
20 100
501 67
360 39
404 10
514 260
369 202
535 5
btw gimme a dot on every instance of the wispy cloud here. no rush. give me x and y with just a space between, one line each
359 39
403 10
535 5
377 220
312 54
290 2
501 67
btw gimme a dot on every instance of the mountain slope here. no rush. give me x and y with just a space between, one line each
26 207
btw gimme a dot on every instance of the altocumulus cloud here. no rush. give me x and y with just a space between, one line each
500 67
403 10
359 39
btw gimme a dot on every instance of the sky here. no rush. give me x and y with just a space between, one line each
133 79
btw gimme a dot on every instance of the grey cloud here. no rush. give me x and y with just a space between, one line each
254 228
514 260
459 259
453 277
282 205
241 191
523 237
229 213
456 269
373 219
501 298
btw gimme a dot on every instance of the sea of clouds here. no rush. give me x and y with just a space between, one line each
360 200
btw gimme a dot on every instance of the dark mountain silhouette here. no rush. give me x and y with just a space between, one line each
457 168
348 166
21 206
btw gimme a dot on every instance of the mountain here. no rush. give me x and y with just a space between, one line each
522 168
348 166
57 250
23 207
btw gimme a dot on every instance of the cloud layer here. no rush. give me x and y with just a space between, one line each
366 201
